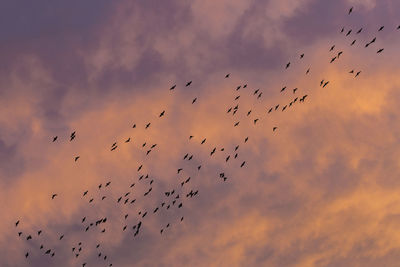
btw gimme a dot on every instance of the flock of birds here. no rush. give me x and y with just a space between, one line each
178 194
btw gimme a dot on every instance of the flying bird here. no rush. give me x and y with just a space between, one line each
188 83
55 138
350 10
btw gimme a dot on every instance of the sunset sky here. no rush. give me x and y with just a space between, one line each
323 189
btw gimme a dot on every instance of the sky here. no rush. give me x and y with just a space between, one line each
320 190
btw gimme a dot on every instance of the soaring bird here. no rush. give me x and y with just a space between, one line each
194 100
381 28
283 88
379 51
162 113
294 90
352 43
147 125
273 129
53 196
72 137
270 110
352 71
332 47
55 138
342 30
350 10
26 255
16 223
358 73
76 158
127 140
348 33
244 162
227 76
188 83
308 71
287 65
301 56
172 87
359 31
204 140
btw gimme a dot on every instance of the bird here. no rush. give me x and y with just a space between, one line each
72 136
236 124
359 31
134 126
39 232
53 196
227 75
204 140
194 100
332 47
244 162
352 71
342 30
147 125
283 88
352 43
273 129
172 87
287 65
358 73
55 138
301 56
379 51
26 255
350 10
348 33
294 90
188 83
127 140
16 223
76 158
308 71
162 113
333 59
381 28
